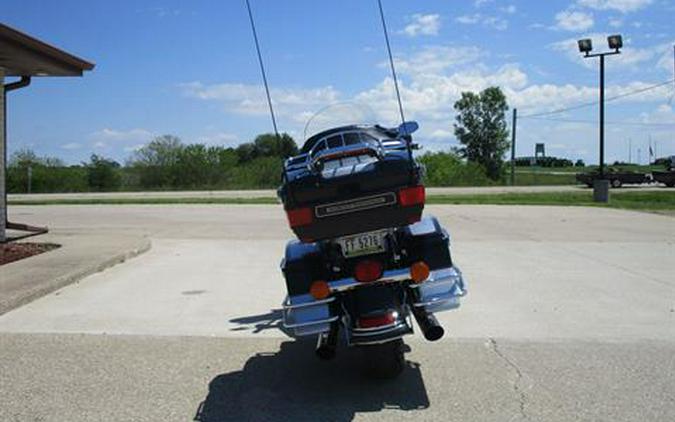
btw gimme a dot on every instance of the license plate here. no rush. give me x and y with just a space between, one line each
362 243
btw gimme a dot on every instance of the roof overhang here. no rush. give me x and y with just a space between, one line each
23 55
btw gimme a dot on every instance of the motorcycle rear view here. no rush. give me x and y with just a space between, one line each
366 263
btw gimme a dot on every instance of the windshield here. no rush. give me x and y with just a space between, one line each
339 115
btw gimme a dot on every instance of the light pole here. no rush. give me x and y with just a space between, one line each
601 185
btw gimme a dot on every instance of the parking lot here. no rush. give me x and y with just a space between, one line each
570 316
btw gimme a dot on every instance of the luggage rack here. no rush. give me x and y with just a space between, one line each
348 143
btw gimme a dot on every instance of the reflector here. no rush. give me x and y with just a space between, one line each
319 290
299 217
377 321
419 271
411 196
367 271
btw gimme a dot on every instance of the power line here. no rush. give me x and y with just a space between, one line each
591 103
612 123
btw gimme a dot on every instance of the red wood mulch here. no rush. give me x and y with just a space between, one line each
10 252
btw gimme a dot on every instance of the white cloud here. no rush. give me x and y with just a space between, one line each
615 22
421 24
219 138
71 146
437 59
113 135
133 148
495 22
510 9
251 100
623 6
479 3
570 20
100 145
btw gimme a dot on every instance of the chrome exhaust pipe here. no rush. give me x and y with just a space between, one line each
327 343
429 325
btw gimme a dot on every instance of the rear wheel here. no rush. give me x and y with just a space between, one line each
616 183
384 360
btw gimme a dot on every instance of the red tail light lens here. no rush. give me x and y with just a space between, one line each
377 321
299 217
411 196
367 271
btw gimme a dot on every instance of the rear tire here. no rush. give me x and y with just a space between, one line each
616 183
384 361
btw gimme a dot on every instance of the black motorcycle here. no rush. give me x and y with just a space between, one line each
366 262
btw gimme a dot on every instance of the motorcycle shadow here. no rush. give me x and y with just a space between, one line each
257 323
292 384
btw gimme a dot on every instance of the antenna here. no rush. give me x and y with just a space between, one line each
391 61
262 71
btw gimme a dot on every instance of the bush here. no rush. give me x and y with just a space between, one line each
447 169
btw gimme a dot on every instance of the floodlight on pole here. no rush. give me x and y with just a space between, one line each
585 45
615 42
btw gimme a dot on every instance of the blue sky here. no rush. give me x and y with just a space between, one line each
189 69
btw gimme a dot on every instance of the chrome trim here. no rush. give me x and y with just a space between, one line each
355 205
356 332
376 328
389 276
307 324
368 343
433 302
287 305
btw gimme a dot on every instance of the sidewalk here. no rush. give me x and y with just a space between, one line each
81 254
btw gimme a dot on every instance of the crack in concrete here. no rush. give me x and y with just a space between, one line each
522 398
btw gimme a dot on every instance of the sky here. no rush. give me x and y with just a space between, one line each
189 68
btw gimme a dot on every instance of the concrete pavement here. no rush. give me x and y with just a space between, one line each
570 316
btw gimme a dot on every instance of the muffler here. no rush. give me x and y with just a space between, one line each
430 327
327 343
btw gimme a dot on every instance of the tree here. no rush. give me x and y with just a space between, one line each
267 145
155 162
481 128
579 163
102 174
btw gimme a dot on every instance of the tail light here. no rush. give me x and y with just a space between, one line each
377 321
367 271
299 217
411 196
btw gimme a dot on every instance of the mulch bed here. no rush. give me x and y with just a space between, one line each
10 252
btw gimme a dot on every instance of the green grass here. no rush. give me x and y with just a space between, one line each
642 201
145 201
653 201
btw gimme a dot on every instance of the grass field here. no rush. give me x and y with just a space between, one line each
662 201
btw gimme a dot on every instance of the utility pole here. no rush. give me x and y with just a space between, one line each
513 147
630 150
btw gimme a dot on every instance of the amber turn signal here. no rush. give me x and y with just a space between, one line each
419 271
319 290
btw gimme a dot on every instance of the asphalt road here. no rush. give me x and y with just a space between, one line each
570 316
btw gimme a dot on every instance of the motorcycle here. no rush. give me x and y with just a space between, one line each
366 262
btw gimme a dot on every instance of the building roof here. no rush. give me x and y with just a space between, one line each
23 55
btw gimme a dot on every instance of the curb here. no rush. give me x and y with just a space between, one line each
59 282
